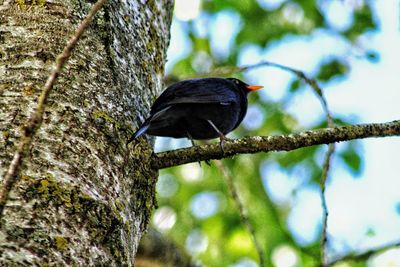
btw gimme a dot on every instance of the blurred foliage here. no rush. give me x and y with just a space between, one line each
352 157
228 240
333 68
363 21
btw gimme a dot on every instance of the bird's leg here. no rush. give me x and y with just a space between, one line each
194 144
190 138
222 137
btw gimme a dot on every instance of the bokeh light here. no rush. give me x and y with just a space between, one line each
166 185
284 256
204 204
196 242
192 172
187 9
164 218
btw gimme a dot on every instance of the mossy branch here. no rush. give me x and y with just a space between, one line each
255 144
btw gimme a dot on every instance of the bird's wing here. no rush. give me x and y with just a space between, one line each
153 121
209 91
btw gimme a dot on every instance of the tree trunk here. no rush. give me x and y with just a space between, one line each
83 197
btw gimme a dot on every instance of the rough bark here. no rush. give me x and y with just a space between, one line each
83 198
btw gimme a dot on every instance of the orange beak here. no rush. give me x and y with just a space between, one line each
254 87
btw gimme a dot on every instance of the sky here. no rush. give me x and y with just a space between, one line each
364 210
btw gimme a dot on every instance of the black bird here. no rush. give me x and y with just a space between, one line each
203 108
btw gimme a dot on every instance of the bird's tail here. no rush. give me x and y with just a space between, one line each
140 131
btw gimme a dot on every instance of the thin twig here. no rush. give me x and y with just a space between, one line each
331 147
242 211
319 93
325 170
324 178
34 122
255 144
221 71
364 256
328 156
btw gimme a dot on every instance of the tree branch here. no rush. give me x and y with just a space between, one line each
364 256
324 178
255 144
34 122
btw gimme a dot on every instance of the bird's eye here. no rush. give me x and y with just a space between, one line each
236 81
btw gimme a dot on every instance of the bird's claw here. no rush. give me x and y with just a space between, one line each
222 140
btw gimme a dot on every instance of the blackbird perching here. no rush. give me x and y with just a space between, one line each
203 108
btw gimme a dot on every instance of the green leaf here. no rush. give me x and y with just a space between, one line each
363 21
311 11
371 232
344 121
352 158
372 56
294 86
183 68
333 68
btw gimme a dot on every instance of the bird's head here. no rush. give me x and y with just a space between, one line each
244 86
